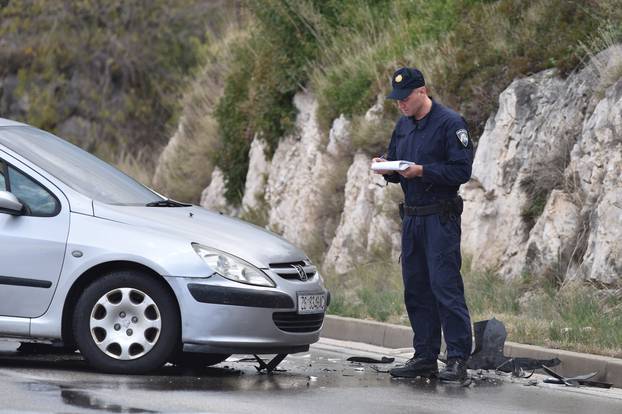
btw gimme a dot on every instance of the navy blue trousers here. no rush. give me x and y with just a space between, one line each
433 288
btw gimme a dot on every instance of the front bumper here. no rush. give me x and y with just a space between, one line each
220 316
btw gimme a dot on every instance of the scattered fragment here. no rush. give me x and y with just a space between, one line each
490 336
384 360
247 359
576 380
270 366
312 378
359 369
531 383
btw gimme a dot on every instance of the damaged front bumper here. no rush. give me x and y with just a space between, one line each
224 317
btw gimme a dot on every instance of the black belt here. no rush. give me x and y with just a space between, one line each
446 208
423 210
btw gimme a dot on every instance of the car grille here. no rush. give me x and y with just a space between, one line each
294 322
294 270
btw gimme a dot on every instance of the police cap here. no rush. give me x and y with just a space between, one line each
404 81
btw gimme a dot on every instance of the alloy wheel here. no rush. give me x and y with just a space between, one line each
125 323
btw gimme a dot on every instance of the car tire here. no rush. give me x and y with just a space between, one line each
126 322
194 359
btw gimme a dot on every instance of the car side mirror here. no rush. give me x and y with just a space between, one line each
9 204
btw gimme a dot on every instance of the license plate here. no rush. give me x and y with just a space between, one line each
312 303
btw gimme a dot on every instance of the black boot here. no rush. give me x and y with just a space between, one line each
416 367
455 370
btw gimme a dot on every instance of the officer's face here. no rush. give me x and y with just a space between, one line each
413 103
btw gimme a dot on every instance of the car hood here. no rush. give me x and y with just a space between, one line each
239 238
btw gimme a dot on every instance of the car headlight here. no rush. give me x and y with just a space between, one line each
231 267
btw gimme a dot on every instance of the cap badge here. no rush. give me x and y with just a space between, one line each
398 78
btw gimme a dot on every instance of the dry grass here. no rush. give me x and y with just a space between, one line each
370 291
135 167
571 316
546 312
372 137
608 68
186 164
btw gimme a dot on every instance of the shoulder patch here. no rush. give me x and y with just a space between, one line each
463 137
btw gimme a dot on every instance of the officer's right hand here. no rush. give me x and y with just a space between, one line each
382 172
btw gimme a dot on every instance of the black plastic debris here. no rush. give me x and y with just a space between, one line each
367 360
32 348
249 359
574 381
490 336
270 367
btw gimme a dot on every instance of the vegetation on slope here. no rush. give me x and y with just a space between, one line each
346 51
535 311
105 74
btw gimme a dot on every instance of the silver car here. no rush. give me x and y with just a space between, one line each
92 259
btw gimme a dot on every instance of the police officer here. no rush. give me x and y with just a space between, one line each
435 138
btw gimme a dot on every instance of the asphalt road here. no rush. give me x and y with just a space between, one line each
317 382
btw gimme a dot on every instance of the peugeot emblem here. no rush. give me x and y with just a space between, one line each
301 273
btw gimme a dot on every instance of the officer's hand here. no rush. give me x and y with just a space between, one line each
382 172
413 171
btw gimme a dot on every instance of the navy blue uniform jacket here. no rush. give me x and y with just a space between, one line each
437 142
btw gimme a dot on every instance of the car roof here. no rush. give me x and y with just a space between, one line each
7 122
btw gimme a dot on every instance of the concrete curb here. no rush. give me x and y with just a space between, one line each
397 336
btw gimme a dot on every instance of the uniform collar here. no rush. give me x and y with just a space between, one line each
423 122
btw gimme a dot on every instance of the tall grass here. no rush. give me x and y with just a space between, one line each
541 311
370 291
346 51
185 166
538 311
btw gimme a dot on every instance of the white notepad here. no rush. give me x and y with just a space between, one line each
391 165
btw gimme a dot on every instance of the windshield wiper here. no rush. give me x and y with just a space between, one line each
167 203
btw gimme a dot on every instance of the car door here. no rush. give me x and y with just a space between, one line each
32 245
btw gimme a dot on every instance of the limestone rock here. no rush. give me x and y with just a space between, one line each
374 113
596 169
305 181
339 137
365 223
603 259
552 240
213 197
531 134
350 242
257 176
562 136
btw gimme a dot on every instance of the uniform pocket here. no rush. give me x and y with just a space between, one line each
451 228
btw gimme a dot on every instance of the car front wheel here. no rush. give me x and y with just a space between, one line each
126 322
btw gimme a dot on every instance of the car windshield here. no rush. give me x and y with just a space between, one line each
75 167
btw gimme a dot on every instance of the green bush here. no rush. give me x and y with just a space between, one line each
541 310
372 290
345 51
118 65
372 137
267 71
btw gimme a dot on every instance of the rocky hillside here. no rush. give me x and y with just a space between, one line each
281 125
545 197
546 193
